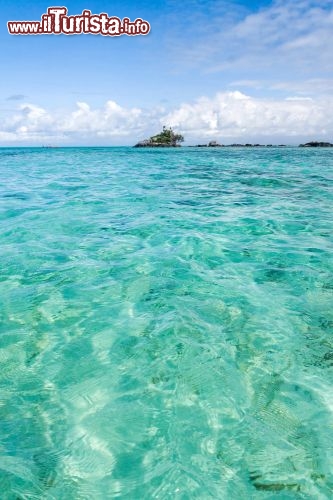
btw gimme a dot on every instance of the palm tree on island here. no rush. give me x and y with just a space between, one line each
166 138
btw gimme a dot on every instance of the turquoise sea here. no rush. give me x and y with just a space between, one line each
166 323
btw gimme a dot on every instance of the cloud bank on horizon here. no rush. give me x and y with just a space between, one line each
231 74
226 116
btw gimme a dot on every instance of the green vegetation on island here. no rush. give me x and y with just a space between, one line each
166 138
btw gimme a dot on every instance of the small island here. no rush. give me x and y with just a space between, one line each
165 139
316 144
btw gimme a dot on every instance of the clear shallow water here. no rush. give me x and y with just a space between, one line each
166 324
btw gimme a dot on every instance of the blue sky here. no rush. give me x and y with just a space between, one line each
242 70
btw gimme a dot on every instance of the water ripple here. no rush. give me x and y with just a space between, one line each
166 323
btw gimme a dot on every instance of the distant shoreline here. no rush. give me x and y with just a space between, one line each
191 146
214 144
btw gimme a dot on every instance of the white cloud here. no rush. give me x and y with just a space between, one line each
227 115
309 87
29 119
32 123
108 121
289 38
233 114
